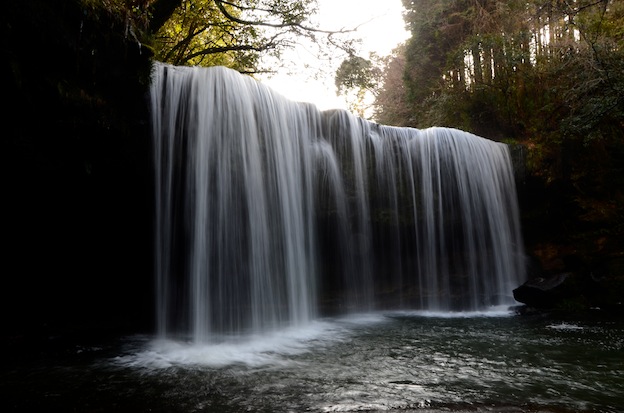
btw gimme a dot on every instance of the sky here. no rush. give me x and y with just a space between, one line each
381 28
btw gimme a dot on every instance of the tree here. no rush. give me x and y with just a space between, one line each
511 68
433 54
357 79
595 94
236 33
391 106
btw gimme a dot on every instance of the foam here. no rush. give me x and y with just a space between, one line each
274 349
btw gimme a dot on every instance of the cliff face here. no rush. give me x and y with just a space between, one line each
75 165
573 224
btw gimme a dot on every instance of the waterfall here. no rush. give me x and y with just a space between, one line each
271 213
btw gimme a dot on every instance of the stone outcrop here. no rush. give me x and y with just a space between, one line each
544 292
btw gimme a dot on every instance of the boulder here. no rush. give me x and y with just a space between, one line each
546 292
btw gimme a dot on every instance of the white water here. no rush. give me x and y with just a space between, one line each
269 212
275 349
280 349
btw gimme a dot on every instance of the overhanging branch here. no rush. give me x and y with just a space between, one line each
229 16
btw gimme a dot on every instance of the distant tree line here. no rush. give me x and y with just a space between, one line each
514 68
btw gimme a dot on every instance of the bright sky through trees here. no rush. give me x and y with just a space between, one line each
380 26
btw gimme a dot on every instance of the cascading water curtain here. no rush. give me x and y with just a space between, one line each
269 212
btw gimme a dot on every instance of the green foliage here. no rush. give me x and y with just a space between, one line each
198 33
356 72
240 34
357 79
532 71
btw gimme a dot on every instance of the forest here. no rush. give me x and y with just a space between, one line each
546 77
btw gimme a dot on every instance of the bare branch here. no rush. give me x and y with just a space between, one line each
271 43
229 16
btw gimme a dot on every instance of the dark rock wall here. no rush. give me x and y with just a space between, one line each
573 223
76 217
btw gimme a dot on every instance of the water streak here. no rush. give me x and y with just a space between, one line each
270 212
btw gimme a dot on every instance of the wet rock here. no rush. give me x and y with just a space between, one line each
545 292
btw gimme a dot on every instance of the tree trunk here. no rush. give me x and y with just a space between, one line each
161 12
